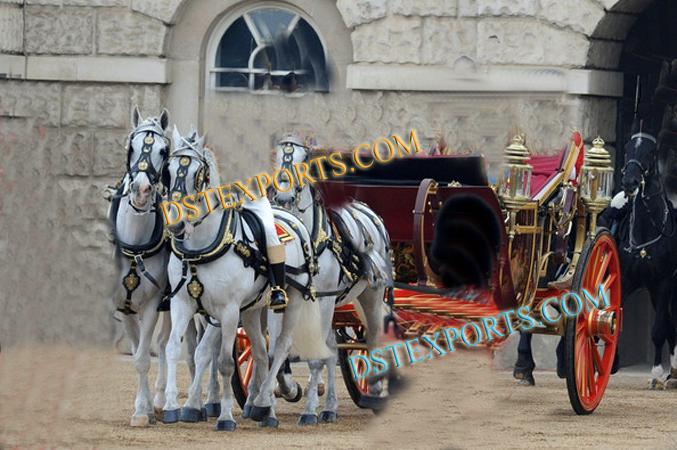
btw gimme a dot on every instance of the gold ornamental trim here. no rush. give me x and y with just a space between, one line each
131 281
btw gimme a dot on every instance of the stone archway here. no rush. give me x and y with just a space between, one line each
633 38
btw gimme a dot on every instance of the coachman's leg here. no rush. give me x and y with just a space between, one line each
278 296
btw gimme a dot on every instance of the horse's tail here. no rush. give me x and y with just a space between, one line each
370 240
308 339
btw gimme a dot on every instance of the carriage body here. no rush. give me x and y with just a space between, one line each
549 246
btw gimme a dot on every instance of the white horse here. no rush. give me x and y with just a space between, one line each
141 255
218 251
369 240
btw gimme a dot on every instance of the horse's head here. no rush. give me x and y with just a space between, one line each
146 155
191 169
640 162
290 151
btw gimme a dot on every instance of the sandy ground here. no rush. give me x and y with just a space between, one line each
54 396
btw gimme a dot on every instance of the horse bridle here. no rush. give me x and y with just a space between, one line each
145 162
179 190
645 172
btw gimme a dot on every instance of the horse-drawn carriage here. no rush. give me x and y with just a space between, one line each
464 249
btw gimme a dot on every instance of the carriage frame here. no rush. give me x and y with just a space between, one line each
552 232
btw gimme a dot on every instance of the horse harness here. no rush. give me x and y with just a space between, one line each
331 232
247 248
640 250
135 254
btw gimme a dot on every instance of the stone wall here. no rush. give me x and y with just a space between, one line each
62 135
62 143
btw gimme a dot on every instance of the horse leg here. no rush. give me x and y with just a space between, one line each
182 312
191 345
144 414
328 414
192 410
251 320
213 405
371 300
131 325
673 316
524 366
659 333
309 415
262 407
161 381
229 317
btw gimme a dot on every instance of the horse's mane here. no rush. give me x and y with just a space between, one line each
214 178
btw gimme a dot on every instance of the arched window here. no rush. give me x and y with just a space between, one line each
268 49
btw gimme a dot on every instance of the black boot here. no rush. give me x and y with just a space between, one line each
278 296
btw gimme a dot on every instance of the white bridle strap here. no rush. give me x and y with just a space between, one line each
643 136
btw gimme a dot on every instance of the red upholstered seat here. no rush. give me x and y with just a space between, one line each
545 167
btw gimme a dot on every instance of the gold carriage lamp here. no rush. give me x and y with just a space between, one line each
514 187
596 181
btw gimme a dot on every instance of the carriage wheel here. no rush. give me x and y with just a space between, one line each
591 338
350 344
356 388
244 366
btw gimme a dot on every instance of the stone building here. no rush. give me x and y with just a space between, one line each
71 70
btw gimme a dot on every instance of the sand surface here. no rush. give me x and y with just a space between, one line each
52 396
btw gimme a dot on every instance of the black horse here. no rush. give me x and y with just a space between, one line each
644 224
646 232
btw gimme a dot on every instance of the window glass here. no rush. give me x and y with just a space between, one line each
288 54
271 23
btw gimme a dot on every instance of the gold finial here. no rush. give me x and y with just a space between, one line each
517 152
598 142
598 156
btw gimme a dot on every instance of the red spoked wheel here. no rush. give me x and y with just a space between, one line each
591 338
244 366
351 342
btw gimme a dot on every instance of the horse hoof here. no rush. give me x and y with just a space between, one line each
524 374
170 416
190 415
258 413
269 422
298 396
213 409
225 425
151 419
328 417
307 419
525 378
139 421
203 415
671 383
246 411
527 382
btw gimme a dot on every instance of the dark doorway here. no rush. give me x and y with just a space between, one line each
651 41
